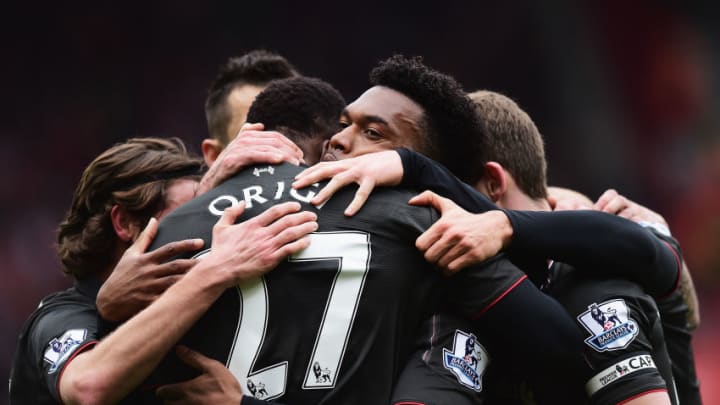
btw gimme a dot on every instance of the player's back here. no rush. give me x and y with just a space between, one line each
333 324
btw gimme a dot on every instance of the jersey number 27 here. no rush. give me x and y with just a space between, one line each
351 252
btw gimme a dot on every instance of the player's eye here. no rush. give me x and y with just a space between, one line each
373 133
343 124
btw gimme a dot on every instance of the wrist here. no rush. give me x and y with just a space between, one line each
504 227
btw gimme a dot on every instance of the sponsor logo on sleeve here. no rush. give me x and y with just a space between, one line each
468 360
59 349
618 371
609 325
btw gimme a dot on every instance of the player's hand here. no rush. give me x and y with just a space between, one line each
140 277
459 239
254 247
562 199
216 385
614 203
251 146
368 171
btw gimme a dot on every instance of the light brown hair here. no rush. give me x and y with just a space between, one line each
134 175
513 140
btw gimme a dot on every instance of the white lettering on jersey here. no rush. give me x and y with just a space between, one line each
618 371
257 195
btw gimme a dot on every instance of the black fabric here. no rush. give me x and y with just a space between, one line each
579 238
421 172
63 323
678 337
527 334
399 290
622 331
593 241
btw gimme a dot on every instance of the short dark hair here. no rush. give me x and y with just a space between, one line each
258 68
135 175
450 123
513 140
299 107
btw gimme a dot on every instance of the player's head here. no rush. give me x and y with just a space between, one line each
239 80
118 193
512 151
304 109
411 105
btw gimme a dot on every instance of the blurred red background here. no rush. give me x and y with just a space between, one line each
626 95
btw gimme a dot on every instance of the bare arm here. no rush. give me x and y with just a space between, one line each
119 362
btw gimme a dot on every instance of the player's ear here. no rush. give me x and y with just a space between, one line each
495 180
125 228
211 148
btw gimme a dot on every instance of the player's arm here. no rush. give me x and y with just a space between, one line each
614 203
589 239
529 328
389 168
598 242
120 361
633 365
140 277
215 384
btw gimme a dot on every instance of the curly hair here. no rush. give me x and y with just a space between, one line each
134 175
450 123
513 140
257 68
299 107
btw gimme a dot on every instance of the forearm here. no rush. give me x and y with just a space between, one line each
421 172
122 360
599 242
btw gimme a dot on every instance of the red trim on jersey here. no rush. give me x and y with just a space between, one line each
78 351
625 401
496 300
679 268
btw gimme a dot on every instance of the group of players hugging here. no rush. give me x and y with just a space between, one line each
404 248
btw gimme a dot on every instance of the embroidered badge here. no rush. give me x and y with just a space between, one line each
468 360
59 349
609 324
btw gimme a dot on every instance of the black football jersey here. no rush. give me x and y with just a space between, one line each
64 324
334 323
624 342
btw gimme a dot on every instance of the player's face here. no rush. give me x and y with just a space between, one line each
380 119
177 193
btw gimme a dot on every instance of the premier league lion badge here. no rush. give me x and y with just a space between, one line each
609 324
467 360
59 349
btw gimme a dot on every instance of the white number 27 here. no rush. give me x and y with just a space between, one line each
351 252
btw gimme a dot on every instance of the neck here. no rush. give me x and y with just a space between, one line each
514 199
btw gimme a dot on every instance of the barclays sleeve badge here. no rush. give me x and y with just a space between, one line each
59 349
609 324
467 360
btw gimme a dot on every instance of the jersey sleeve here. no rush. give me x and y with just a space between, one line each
57 336
624 347
604 244
423 173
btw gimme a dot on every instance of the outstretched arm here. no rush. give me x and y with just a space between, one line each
590 240
614 203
